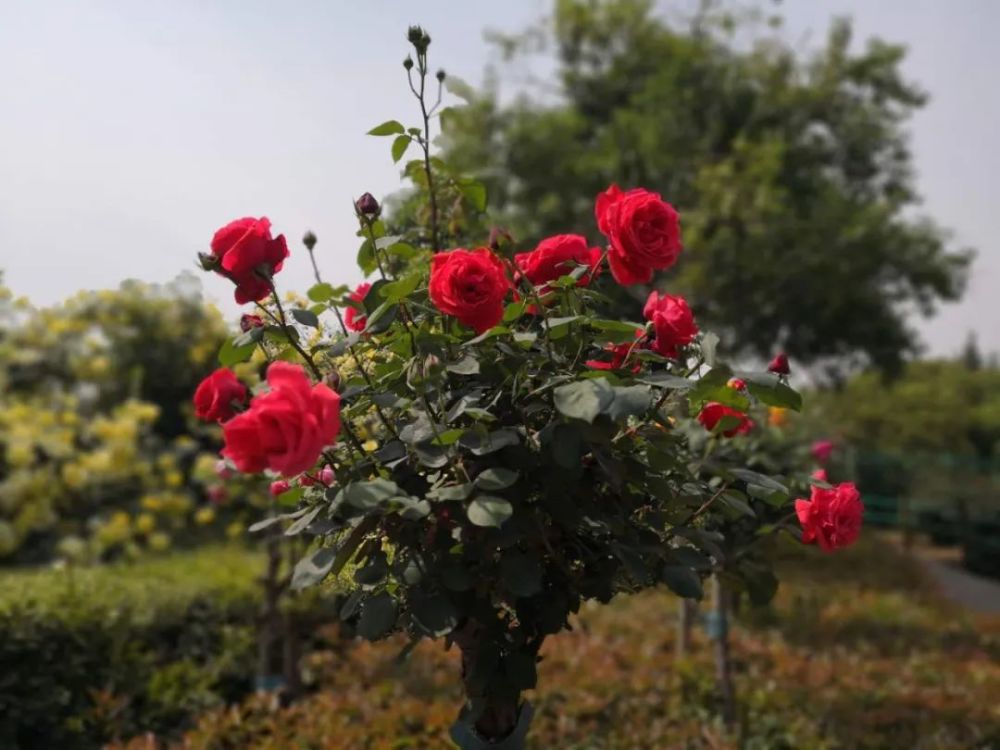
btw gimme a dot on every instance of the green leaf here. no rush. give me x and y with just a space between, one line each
753 477
448 436
521 573
513 311
433 614
366 258
305 317
682 581
468 365
770 390
303 521
389 127
584 399
387 241
735 501
313 568
494 331
398 290
489 510
370 494
709 343
373 571
460 88
399 146
378 617
666 380
321 292
474 192
496 478
232 354
629 401
482 445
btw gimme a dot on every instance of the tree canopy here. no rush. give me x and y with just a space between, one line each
791 170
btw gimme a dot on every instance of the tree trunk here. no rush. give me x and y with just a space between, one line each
719 631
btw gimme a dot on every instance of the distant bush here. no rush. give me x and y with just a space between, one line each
93 654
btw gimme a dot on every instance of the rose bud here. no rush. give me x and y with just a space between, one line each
326 475
208 262
779 365
332 380
367 205
737 384
309 240
279 487
408 63
306 480
441 75
250 321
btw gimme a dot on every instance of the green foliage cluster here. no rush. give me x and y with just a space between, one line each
791 169
91 654
856 653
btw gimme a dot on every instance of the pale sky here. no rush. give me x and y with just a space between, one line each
131 129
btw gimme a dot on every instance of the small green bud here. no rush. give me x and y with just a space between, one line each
208 262
441 76
309 240
408 63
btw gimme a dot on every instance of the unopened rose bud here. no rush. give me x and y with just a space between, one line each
222 470
414 34
499 235
306 480
779 365
326 475
737 384
408 63
248 321
279 487
432 363
332 380
208 262
217 494
367 205
441 76
309 240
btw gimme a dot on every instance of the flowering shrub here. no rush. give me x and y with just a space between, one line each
487 478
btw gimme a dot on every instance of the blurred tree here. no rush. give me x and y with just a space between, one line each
971 356
804 236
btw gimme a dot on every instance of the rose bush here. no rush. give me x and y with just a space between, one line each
487 467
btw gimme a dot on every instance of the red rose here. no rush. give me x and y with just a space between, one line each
712 413
673 322
831 518
469 285
285 429
619 354
279 487
355 319
217 396
822 450
248 322
244 246
556 257
779 365
643 230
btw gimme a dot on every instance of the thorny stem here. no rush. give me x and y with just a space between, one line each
425 144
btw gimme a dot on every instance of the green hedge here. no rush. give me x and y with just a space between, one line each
93 654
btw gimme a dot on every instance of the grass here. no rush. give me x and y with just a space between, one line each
856 653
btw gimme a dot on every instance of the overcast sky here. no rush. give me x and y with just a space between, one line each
130 130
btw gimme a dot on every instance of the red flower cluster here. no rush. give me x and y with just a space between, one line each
713 412
285 429
673 322
247 254
470 285
831 518
643 230
219 396
354 319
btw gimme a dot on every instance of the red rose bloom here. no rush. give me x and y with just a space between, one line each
217 396
355 319
779 365
285 429
619 353
673 322
822 450
831 518
242 247
643 231
469 285
712 413
556 257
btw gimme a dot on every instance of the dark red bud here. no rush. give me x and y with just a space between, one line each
250 321
367 205
779 365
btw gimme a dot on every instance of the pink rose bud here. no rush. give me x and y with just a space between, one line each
820 475
737 384
217 494
279 487
222 470
779 365
250 321
326 476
